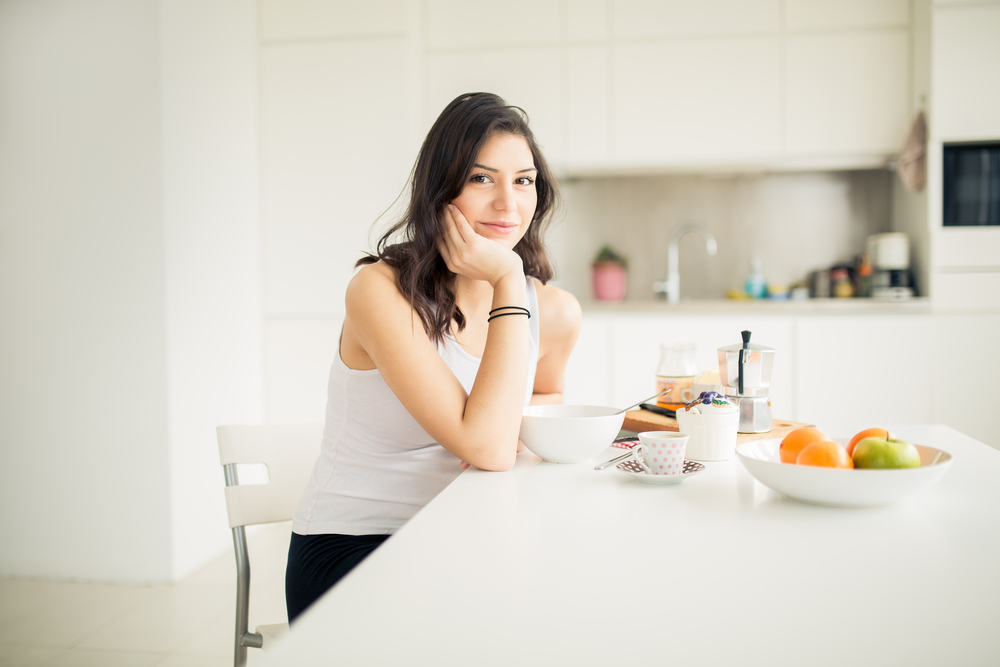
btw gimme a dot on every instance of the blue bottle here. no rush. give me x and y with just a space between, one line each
755 286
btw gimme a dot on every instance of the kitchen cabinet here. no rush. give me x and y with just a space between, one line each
964 365
866 368
637 340
846 93
527 78
610 86
822 15
965 261
586 20
695 100
963 66
883 367
629 85
591 366
656 19
588 112
280 20
458 24
631 351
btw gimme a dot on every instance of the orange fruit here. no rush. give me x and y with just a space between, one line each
795 441
867 433
825 453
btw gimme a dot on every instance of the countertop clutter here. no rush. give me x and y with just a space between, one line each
643 420
830 306
552 564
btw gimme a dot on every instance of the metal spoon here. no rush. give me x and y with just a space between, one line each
617 459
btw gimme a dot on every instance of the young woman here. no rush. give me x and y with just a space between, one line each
450 331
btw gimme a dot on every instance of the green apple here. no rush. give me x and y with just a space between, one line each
885 453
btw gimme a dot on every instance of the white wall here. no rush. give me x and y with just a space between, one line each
339 133
84 483
129 281
212 248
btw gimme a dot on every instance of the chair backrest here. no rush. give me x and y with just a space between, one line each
288 451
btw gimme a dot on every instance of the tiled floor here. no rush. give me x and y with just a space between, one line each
188 624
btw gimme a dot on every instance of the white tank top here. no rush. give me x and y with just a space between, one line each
377 466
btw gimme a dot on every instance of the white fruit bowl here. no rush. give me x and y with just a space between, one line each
836 487
569 433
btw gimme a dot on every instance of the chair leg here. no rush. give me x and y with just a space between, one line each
243 637
242 594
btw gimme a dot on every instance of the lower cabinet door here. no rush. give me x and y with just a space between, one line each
868 369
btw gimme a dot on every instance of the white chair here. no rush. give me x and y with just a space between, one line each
289 452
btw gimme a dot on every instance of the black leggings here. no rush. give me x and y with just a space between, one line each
317 562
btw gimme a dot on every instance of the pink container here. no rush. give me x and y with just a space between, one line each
610 282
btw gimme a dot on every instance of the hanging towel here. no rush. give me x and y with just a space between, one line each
912 163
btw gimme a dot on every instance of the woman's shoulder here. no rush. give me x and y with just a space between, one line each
558 309
374 283
377 275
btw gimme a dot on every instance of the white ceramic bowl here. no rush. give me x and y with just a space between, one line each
840 488
569 433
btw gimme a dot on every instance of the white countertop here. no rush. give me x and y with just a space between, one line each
916 306
544 565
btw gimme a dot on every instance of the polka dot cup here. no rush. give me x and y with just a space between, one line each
661 452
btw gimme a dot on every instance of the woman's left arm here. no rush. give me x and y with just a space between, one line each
559 325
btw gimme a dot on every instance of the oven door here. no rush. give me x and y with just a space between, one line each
971 184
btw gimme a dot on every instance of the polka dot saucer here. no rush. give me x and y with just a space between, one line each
631 467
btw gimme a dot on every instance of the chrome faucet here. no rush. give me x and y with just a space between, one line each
672 286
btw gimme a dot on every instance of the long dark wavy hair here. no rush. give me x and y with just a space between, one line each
443 165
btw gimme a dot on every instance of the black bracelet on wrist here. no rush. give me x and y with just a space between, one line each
520 309
513 312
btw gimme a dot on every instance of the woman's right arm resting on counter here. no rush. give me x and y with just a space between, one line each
481 428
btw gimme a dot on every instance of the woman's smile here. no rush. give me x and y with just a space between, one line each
501 226
499 197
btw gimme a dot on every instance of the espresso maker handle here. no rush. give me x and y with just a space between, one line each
744 357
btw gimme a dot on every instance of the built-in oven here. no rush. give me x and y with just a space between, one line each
971 184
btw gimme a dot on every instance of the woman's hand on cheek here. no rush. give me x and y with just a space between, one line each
469 254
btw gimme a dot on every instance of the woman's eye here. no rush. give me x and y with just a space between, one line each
525 180
480 178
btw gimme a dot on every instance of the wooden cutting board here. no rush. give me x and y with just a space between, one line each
644 420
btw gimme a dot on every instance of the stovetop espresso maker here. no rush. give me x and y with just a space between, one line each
745 371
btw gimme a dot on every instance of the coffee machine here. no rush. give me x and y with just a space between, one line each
745 372
890 258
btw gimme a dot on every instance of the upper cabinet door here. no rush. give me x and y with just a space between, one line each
694 18
459 24
652 84
527 77
964 67
845 14
696 100
298 20
846 92
588 125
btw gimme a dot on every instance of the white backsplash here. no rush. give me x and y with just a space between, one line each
795 222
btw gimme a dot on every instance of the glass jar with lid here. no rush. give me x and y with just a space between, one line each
676 372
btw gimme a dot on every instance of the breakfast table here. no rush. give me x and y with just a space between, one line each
551 564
